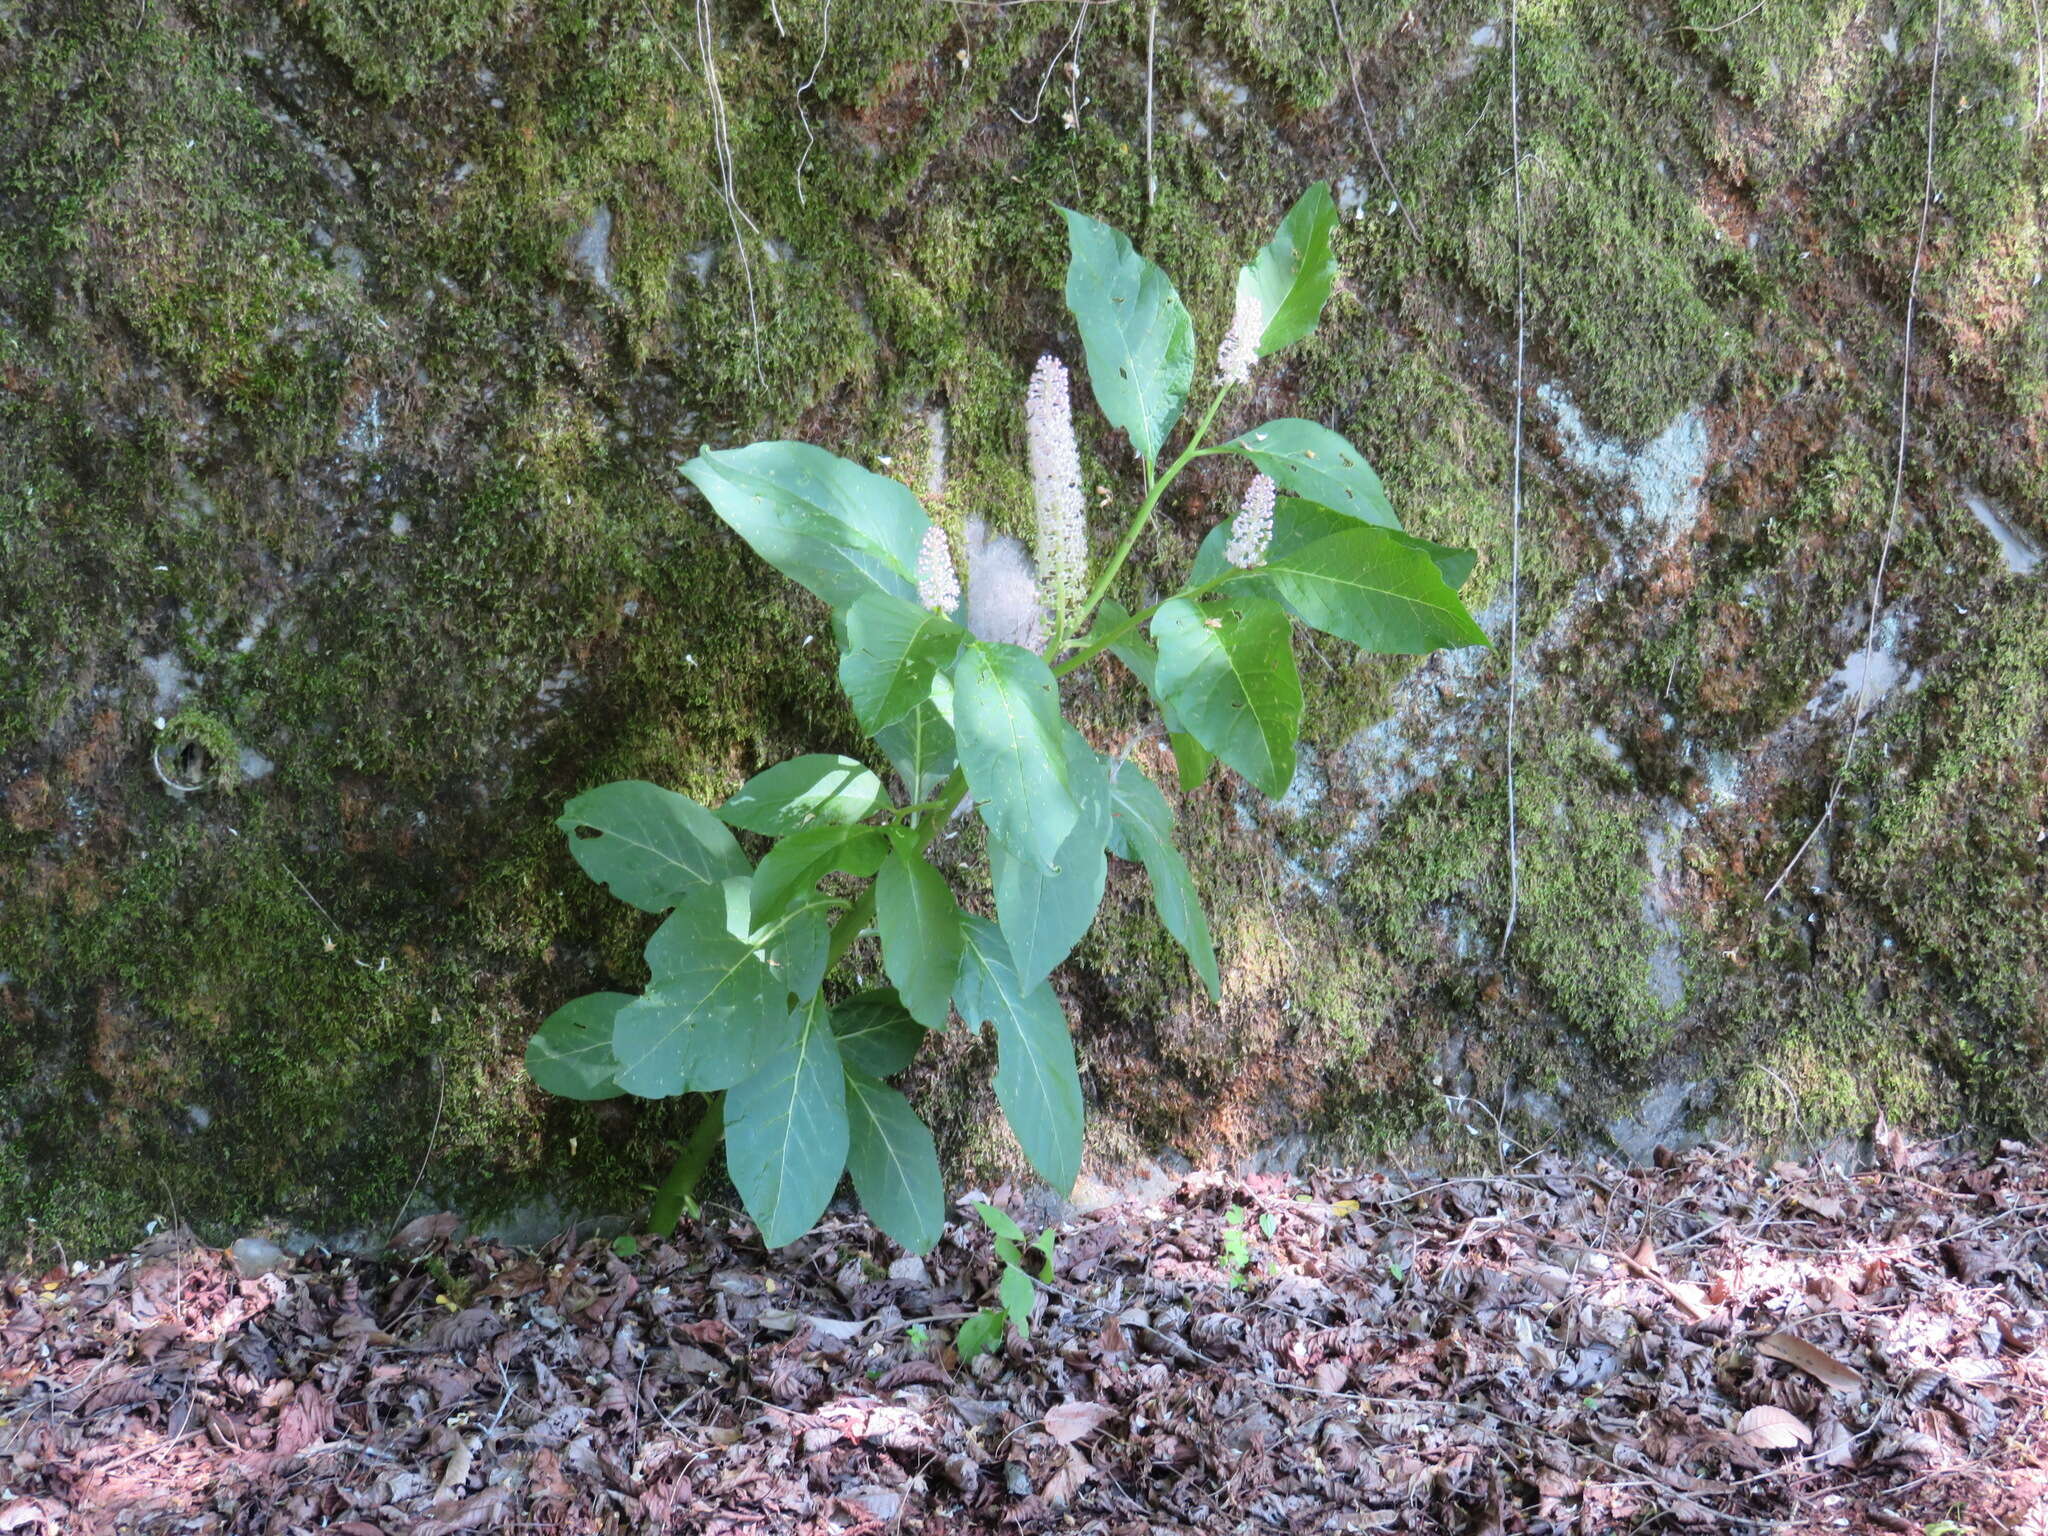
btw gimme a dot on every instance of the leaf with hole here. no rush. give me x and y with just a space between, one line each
571 1052
1227 667
795 865
981 1334
1293 273
1314 463
1136 332
647 845
1018 1293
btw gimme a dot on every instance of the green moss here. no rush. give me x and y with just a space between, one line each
1952 848
1768 52
393 47
1821 1070
1620 260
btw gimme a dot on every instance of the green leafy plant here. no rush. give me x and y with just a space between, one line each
1015 1289
962 700
1237 1248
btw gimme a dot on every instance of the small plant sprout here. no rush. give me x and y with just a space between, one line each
778 906
1237 1248
984 1331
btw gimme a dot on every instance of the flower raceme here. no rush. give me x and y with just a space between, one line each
1240 346
1061 547
1253 530
938 585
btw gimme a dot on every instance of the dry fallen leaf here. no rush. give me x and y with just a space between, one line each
1816 1362
1773 1429
1073 1422
1066 1482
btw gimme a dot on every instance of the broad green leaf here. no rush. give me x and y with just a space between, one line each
1037 1081
1191 760
1316 464
894 1165
1292 276
802 859
1361 586
1141 828
1298 523
824 522
920 745
892 648
797 955
571 1053
1044 914
981 1334
998 1220
648 845
712 1012
1006 716
1227 667
1018 1293
1137 334
786 1131
920 929
876 1034
1190 757
803 792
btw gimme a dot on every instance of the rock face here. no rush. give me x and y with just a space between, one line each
349 352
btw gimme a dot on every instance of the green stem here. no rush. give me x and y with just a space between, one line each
689 1167
1093 646
847 931
1153 491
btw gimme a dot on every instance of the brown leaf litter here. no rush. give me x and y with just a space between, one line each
1707 1344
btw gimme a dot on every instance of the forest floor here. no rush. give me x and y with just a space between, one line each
1707 1343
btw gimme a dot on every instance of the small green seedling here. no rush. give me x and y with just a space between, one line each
983 1332
1237 1248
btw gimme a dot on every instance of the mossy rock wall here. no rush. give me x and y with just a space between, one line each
349 351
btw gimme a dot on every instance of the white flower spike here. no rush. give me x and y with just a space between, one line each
1240 347
1254 527
938 584
1062 542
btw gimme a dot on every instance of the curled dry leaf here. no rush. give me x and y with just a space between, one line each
1816 1362
1071 1423
1773 1429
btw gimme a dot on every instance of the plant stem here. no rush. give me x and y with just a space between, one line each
1093 646
847 931
1154 489
689 1168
